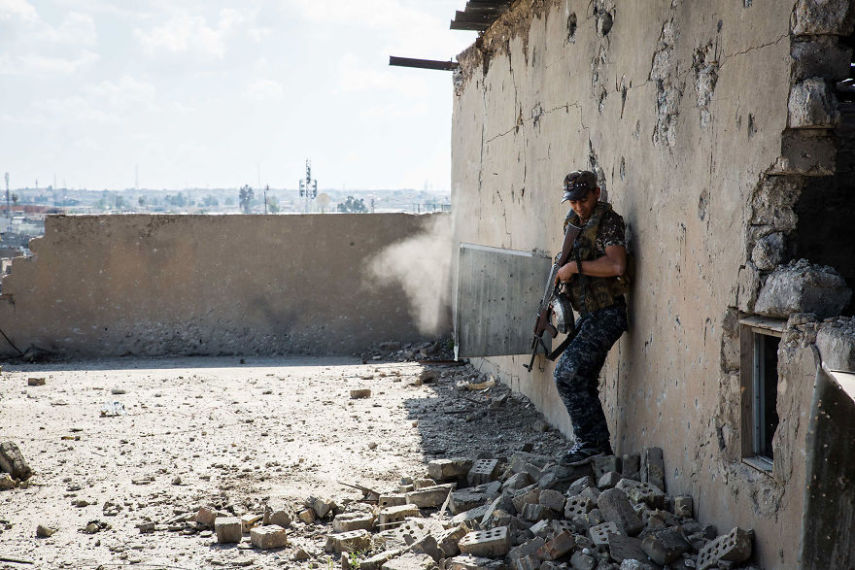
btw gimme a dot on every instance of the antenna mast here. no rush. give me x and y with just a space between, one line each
308 187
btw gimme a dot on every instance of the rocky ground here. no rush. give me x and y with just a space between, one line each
124 453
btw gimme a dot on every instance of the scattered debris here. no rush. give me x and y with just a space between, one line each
112 409
36 381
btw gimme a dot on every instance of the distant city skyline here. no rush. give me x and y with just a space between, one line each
99 94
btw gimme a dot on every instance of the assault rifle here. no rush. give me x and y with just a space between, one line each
554 304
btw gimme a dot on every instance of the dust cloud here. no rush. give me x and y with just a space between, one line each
422 266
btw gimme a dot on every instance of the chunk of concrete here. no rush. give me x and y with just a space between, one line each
801 287
665 546
410 561
684 506
819 56
577 506
836 343
615 506
429 497
631 466
360 393
812 104
579 485
206 517
552 499
446 469
821 17
493 543
392 500
268 537
582 561
768 252
466 499
248 521
346 522
625 548
12 461
639 492
608 480
36 381
599 534
734 546
229 530
397 514
468 562
447 540
653 467
561 544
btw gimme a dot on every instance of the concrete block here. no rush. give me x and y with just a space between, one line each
248 521
307 516
520 459
397 514
359 393
665 546
346 522
322 507
350 541
684 506
653 467
631 466
483 471
229 530
552 499
493 543
410 561
599 534
495 508
812 104
525 496
769 251
392 500
377 561
492 489
810 152
615 507
608 480
429 497
536 512
560 525
447 540
267 537
446 469
465 499
579 485
625 548
801 287
836 343
819 56
642 492
558 546
276 514
33 381
734 546
206 516
12 461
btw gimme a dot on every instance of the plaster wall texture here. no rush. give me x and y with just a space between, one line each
161 285
679 107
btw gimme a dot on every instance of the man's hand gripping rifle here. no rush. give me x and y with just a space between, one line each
551 303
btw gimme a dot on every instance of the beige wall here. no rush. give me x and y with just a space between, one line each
155 285
680 108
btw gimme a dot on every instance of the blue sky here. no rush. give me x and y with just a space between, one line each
210 93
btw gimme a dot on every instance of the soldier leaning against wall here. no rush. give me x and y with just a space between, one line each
595 283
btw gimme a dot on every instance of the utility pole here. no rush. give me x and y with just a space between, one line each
308 187
8 204
266 188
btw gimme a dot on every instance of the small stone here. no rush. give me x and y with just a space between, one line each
118 391
359 393
206 517
176 480
307 516
608 480
43 531
35 381
6 482
615 506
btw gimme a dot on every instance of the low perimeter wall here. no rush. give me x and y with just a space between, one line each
169 285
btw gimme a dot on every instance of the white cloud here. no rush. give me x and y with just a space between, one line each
17 9
76 29
190 33
357 75
264 90
37 64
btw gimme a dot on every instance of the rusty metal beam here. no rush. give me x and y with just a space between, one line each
423 63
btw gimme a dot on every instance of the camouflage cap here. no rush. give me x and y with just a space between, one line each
578 183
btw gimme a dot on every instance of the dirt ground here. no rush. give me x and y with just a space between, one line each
195 432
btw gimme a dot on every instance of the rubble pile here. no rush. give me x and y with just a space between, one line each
524 513
441 349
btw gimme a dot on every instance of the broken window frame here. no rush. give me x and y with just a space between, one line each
753 378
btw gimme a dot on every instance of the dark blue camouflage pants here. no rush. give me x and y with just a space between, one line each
578 370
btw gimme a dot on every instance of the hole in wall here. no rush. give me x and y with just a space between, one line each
571 27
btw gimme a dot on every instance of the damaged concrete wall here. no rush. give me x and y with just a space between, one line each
704 123
162 285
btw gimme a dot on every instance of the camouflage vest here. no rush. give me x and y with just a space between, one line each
588 294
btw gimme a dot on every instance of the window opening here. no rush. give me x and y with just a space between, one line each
765 390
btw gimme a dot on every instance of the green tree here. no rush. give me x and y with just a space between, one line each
245 197
352 206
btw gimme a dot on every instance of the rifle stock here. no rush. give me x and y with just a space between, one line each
543 323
